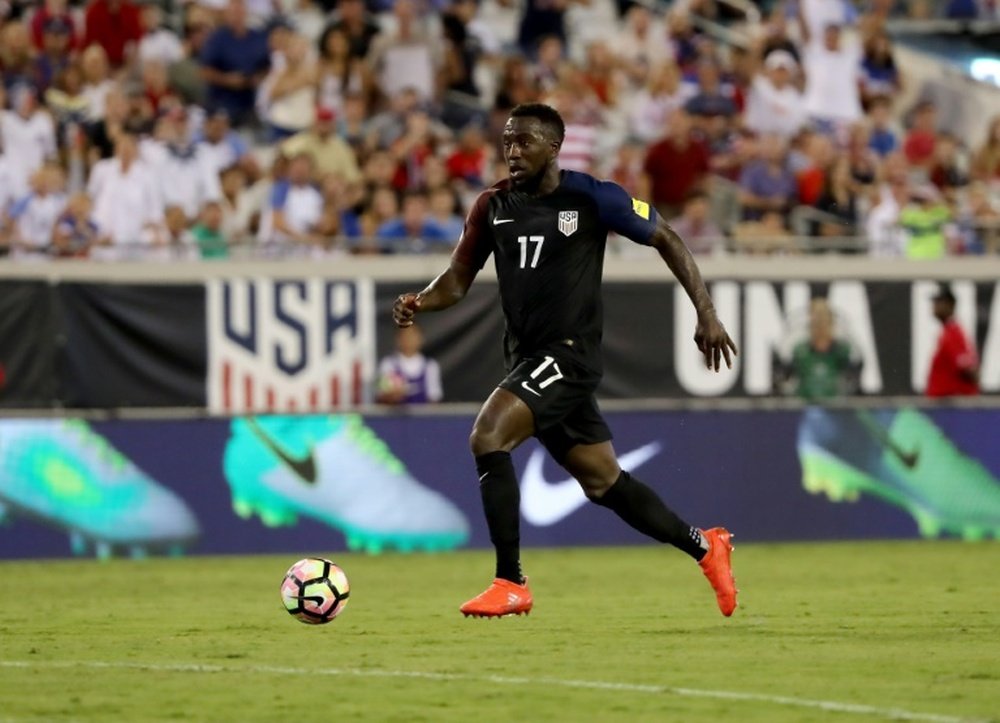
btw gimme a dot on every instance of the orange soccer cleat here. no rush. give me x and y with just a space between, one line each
716 566
501 598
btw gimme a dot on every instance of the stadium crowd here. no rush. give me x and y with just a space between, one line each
193 129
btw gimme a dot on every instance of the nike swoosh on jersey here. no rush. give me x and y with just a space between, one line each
544 503
498 221
303 467
530 389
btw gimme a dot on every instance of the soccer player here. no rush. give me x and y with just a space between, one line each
547 230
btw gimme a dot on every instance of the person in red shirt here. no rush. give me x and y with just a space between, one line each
114 25
676 166
955 365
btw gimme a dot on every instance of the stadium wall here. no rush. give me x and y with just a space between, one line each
322 484
291 336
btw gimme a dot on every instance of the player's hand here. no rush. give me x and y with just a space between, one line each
404 308
713 341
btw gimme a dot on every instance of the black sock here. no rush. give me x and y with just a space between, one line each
642 508
502 505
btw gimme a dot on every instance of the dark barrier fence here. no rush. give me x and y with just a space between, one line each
258 344
406 482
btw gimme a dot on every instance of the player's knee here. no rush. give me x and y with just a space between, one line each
485 439
595 487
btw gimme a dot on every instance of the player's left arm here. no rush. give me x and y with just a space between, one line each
639 221
710 335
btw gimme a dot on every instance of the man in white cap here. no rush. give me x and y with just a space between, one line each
774 105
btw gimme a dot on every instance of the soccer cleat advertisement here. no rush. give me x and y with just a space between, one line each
406 482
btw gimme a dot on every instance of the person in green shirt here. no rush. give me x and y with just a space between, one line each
821 366
207 233
925 220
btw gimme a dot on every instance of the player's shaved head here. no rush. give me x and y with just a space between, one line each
548 116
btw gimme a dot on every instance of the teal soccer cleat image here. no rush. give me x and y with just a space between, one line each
905 459
336 470
65 474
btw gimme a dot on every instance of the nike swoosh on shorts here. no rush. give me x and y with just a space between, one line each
544 503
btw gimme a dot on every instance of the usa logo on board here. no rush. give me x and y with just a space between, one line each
568 221
277 345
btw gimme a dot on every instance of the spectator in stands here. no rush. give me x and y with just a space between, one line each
75 231
235 60
550 59
541 18
947 170
156 87
54 57
408 56
882 138
769 235
986 161
817 155
695 225
329 153
34 216
222 146
954 369
236 204
186 174
186 75
66 101
353 126
774 104
979 221
295 206
601 75
712 97
886 238
766 184
382 207
97 81
470 158
879 75
115 26
627 170
128 208
102 134
466 43
925 218
580 110
208 235
651 106
29 137
407 376
287 96
921 138
677 165
832 69
641 45
340 74
159 43
390 125
410 151
839 201
17 67
823 366
444 211
414 230
352 19
53 10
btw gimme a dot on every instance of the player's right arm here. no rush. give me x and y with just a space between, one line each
451 285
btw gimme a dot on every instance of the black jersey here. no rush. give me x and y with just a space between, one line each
549 256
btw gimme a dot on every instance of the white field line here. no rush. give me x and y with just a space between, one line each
831 706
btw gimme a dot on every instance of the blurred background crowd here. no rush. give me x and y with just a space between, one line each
212 128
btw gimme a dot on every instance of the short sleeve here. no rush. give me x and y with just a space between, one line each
627 216
475 245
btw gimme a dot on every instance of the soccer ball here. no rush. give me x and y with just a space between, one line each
315 590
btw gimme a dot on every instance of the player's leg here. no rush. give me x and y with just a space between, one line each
502 424
596 468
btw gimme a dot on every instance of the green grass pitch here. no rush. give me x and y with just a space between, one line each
850 631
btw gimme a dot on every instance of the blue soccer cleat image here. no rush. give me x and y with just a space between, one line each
336 470
65 474
905 459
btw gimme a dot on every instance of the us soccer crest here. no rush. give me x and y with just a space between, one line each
568 221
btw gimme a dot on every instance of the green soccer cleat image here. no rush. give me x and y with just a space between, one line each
336 470
64 473
904 459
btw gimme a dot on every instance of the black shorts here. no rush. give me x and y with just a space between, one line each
560 394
